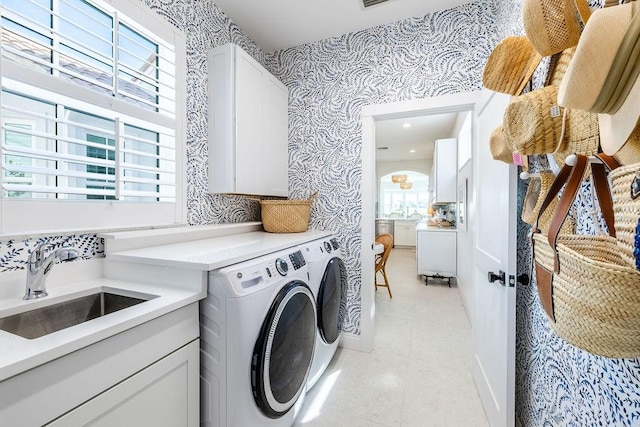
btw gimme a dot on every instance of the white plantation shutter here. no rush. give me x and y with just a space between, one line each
92 106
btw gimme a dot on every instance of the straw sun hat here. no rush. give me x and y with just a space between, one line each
533 122
603 75
510 65
552 25
498 146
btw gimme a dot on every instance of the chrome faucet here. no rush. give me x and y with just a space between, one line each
38 267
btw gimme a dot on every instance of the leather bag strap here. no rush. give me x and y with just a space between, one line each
555 188
610 161
564 205
603 192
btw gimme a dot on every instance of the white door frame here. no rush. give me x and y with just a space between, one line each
371 113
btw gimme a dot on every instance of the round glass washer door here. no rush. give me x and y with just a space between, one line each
330 299
284 350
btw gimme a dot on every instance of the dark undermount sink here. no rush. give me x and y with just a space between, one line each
45 320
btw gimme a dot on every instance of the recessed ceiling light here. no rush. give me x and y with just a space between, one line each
412 151
406 125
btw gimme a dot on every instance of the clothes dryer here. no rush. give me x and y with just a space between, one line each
258 327
327 281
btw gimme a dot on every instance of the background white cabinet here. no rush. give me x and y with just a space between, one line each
444 172
436 252
248 126
404 233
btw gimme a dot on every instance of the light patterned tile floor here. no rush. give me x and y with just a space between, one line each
419 373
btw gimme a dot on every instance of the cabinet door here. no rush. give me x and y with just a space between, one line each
411 236
405 234
437 252
248 125
446 170
275 143
165 394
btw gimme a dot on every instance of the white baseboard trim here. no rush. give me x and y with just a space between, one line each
350 341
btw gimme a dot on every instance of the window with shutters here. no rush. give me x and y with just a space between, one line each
92 115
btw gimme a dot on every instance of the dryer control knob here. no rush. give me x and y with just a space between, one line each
327 247
282 266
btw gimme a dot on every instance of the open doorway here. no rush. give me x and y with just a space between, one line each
372 117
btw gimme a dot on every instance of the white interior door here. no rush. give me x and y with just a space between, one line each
494 253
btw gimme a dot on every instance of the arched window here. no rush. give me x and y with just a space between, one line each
410 203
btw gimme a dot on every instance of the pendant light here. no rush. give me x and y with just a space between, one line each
406 185
397 179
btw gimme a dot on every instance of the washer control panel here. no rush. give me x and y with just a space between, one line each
253 275
334 243
297 260
282 266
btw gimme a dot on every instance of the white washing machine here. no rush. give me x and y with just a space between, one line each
327 281
257 338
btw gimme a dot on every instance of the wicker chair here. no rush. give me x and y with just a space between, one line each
381 260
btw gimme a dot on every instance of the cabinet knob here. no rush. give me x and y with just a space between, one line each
500 277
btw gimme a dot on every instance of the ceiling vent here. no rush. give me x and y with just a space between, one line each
368 3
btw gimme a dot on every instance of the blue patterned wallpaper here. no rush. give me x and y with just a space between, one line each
330 81
556 383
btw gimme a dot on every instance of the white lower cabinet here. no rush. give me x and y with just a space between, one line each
148 375
436 252
404 233
157 396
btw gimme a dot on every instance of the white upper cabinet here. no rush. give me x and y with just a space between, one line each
445 171
248 126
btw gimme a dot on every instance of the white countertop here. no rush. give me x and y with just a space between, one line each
174 272
216 252
398 219
422 226
19 354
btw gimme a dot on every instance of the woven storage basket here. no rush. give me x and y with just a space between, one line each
533 122
286 216
602 317
626 210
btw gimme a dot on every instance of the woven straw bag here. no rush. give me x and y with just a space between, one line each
286 216
625 184
589 293
533 122
553 25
